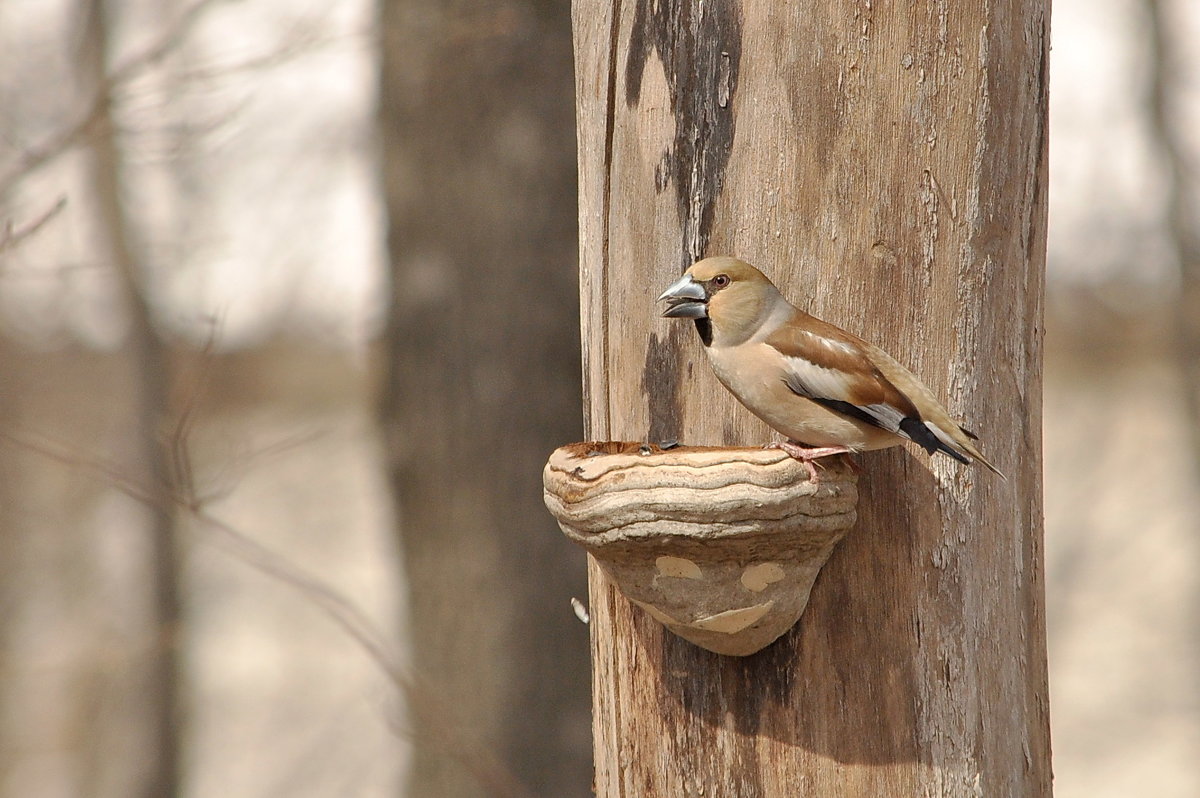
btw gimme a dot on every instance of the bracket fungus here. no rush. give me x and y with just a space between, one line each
720 545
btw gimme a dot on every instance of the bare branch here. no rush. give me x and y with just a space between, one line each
11 238
303 41
345 615
95 109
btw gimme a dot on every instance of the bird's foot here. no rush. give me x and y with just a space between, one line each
807 454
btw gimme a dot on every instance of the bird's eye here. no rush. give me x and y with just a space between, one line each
721 280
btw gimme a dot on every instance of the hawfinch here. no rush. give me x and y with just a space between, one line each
828 391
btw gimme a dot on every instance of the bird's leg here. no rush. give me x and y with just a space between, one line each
806 454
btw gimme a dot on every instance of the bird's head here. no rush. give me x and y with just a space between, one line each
731 295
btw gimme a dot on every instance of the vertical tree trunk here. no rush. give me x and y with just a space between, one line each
1168 79
886 164
161 696
482 379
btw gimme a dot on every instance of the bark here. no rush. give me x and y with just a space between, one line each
482 381
886 164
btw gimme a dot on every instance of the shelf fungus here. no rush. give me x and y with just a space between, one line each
720 545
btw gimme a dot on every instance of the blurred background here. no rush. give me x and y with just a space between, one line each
270 514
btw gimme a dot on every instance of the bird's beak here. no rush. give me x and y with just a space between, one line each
687 298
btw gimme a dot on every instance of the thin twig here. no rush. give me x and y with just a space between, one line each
421 701
95 109
306 40
11 238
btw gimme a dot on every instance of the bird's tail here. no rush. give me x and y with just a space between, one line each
958 442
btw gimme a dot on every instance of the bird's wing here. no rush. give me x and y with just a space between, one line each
834 369
843 373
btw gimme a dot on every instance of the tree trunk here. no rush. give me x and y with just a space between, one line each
1169 79
161 694
886 165
482 382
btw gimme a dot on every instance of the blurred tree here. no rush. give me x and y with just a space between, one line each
482 381
1168 84
160 699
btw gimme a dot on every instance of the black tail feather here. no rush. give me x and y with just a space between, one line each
912 428
920 434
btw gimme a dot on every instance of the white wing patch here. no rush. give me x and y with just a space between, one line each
817 382
809 379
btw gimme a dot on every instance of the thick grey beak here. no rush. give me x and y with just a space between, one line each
687 299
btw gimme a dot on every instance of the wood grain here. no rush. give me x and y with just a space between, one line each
885 165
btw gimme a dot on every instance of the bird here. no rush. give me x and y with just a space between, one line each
826 390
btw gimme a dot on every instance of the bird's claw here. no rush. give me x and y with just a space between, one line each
808 454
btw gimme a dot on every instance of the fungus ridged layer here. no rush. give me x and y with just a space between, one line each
721 545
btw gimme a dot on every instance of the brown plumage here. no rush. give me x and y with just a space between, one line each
827 390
